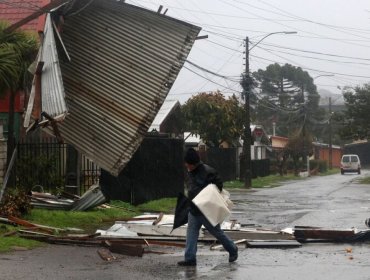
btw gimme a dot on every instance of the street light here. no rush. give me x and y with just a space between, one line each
246 84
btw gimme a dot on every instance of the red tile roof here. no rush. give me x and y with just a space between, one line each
15 10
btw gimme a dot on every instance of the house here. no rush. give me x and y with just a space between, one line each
12 11
167 119
261 142
322 152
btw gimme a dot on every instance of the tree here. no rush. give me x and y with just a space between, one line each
287 97
17 51
298 146
213 117
356 119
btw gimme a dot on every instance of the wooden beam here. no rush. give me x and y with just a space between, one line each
130 250
106 255
274 244
323 234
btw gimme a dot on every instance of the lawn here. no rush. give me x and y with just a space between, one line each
88 221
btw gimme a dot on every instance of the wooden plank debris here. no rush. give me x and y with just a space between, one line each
157 221
156 252
27 224
148 243
106 255
305 234
278 244
254 234
217 247
7 221
130 250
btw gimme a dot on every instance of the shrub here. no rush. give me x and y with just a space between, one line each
16 203
320 165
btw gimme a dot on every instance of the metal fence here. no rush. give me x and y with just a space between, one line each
47 165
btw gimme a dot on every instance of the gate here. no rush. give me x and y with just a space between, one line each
47 165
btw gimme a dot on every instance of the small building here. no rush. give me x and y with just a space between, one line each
260 143
167 119
13 11
322 152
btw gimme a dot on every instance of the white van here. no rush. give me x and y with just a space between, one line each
350 163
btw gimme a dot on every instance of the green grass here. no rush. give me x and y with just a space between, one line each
272 180
9 243
262 182
364 181
165 205
88 221
330 172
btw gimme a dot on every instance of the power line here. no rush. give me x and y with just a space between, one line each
315 22
238 92
307 68
314 52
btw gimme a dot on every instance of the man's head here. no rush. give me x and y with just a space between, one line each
191 159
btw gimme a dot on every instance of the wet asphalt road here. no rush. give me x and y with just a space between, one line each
335 202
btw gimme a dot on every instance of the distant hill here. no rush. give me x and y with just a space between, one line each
336 99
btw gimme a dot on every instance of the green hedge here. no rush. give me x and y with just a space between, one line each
321 165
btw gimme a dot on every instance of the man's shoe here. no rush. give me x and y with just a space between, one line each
187 263
367 222
233 257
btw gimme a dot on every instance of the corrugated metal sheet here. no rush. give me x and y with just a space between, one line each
92 198
124 60
52 90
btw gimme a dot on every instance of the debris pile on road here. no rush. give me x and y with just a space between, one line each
147 233
143 234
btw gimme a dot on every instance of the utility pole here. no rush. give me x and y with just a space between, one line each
247 123
247 85
330 138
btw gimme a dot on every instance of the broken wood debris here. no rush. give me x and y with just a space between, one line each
254 234
333 235
279 244
27 224
217 247
106 255
124 249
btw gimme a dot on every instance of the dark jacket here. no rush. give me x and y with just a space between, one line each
198 179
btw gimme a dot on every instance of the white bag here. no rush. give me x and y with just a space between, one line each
212 204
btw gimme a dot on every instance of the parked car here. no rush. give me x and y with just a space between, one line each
350 163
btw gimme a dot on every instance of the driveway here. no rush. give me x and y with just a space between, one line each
334 201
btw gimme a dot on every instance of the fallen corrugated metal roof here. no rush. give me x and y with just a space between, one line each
93 197
124 60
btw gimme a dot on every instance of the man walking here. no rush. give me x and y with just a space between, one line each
201 175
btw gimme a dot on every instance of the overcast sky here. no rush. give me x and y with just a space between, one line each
333 38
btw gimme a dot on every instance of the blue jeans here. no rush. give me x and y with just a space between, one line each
192 234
